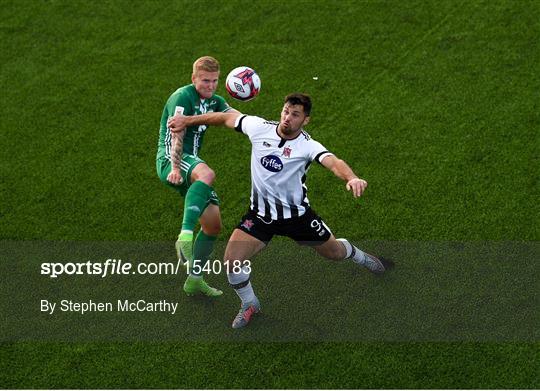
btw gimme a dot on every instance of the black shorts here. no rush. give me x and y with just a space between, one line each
308 229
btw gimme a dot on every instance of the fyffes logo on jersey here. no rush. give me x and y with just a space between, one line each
272 163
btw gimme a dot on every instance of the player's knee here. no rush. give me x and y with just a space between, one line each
207 176
212 228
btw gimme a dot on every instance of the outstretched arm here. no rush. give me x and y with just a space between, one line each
180 122
343 171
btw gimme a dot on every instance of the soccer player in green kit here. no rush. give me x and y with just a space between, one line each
179 166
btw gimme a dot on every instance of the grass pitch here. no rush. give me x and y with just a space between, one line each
434 103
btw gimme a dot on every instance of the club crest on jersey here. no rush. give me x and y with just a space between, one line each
272 163
247 224
287 152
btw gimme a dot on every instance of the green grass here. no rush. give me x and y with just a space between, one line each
434 103
270 366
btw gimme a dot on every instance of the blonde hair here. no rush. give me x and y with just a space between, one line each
206 63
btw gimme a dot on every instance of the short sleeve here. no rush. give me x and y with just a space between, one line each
249 125
179 104
222 105
317 151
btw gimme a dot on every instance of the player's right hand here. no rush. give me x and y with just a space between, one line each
357 186
175 177
177 123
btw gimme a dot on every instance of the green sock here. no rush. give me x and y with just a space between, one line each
204 244
196 201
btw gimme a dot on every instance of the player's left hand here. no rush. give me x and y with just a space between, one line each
357 186
177 123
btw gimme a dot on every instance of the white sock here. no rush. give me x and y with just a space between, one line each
245 292
357 255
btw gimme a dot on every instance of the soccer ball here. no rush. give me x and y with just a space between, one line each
243 83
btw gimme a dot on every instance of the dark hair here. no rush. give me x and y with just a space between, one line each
300 99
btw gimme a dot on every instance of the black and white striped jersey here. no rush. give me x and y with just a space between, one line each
278 168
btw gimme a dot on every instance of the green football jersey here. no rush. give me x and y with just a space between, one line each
186 100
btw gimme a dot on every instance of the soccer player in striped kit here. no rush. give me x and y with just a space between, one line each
280 157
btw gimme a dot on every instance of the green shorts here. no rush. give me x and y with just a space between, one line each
188 163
